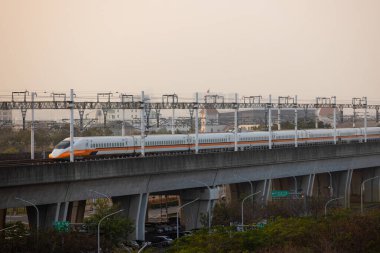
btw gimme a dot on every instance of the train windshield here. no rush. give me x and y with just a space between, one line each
63 145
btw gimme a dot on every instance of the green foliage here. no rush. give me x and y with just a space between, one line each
302 124
342 231
115 228
47 241
224 213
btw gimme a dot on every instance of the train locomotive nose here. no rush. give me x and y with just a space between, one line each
54 154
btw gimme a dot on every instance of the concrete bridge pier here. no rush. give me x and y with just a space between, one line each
76 210
236 191
135 208
342 186
295 185
284 184
265 186
195 215
307 185
48 214
322 187
371 187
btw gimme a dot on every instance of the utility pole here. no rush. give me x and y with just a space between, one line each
270 122
71 106
32 128
196 107
23 107
235 122
142 130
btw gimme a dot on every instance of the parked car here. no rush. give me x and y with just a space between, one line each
161 241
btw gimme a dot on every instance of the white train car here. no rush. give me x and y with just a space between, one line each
131 145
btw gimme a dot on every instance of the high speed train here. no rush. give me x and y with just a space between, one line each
131 145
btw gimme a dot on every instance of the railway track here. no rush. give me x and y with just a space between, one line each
29 162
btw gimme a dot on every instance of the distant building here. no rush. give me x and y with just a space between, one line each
210 121
6 115
260 116
252 127
326 115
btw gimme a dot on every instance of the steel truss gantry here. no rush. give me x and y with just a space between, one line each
46 105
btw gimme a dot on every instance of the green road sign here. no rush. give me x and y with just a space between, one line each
279 194
62 226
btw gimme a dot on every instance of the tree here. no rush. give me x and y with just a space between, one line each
114 229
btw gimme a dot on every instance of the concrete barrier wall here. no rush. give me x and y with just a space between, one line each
64 182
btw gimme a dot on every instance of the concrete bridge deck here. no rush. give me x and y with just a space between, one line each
62 182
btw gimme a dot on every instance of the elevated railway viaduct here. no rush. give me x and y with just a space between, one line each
59 189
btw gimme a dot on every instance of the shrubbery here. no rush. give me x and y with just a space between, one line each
342 231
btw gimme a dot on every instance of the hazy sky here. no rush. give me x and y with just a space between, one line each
304 47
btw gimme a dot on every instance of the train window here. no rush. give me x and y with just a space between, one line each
63 145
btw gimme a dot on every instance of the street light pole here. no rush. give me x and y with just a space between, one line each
331 187
209 203
242 208
179 208
38 213
144 246
331 200
249 181
101 222
295 186
361 192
